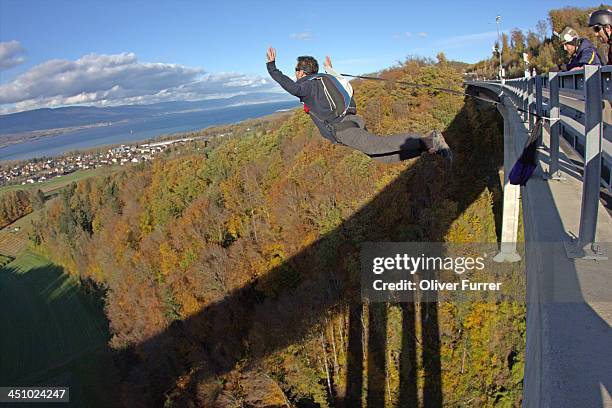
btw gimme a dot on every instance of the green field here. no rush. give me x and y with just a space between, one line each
52 334
11 244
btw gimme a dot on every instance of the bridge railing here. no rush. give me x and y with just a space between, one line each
577 106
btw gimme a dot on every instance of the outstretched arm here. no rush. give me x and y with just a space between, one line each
289 85
328 67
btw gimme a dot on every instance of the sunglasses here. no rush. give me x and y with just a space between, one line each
597 28
297 69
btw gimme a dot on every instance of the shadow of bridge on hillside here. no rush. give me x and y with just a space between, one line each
245 326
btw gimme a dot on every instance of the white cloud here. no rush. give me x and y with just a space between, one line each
469 39
422 34
407 34
106 80
304 36
11 54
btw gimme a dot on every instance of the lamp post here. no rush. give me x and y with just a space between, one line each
501 67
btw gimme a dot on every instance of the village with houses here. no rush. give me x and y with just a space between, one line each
41 170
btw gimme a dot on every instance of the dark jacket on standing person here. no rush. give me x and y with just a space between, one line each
586 54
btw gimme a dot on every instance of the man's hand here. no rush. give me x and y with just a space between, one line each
271 54
327 62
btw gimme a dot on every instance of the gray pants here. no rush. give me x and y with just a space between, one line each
385 149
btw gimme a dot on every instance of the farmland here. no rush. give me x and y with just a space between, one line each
53 333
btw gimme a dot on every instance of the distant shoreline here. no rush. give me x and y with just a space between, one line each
21 137
144 130
171 136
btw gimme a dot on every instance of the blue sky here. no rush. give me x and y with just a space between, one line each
211 49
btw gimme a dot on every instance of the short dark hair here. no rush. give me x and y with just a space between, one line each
307 64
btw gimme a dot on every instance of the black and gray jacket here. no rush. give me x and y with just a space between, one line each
312 95
586 54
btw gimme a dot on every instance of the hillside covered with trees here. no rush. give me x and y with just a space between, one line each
15 204
231 273
544 49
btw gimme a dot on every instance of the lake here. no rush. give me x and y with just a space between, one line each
139 129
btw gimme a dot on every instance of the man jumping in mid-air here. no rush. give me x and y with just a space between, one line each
349 129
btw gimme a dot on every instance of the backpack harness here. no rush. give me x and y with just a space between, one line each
339 98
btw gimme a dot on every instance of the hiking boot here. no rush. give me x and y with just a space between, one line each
440 146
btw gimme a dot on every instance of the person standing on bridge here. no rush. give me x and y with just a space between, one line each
580 50
601 22
320 98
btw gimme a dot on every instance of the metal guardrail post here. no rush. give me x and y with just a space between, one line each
521 98
526 100
530 103
538 95
518 95
518 91
555 126
586 247
538 105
